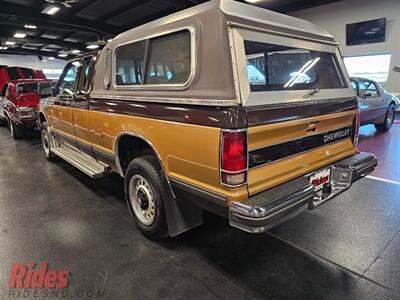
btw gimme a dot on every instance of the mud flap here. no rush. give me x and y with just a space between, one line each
182 215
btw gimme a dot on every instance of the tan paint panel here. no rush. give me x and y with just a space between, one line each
60 117
265 177
188 152
271 134
82 126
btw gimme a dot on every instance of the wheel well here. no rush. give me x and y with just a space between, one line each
131 147
393 103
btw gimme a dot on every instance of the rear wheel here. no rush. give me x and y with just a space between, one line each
145 191
389 119
46 144
17 132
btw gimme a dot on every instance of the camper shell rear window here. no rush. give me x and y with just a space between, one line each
273 67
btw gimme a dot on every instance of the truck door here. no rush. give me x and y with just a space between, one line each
81 106
61 108
370 100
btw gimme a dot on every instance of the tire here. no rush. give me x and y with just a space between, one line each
389 119
3 122
46 145
146 189
17 132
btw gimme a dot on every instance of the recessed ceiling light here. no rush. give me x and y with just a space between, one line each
10 43
75 51
62 54
19 35
29 26
92 46
51 10
3 48
50 58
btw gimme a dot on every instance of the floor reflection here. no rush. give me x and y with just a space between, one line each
386 146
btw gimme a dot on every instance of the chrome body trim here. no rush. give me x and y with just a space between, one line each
188 101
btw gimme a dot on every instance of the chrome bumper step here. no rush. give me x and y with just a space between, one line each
269 208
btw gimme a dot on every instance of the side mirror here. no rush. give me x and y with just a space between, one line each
54 90
367 94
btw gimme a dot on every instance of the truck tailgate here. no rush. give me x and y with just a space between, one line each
283 151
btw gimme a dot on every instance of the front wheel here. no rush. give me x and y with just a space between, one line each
145 191
17 132
46 144
389 119
3 122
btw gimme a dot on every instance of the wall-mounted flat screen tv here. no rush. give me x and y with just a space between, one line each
367 32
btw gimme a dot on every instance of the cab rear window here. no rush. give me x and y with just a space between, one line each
274 67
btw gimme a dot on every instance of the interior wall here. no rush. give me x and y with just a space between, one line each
30 61
334 17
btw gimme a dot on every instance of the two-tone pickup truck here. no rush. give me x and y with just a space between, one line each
225 107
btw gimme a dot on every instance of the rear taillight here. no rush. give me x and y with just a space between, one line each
233 157
356 128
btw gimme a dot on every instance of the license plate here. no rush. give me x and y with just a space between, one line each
319 178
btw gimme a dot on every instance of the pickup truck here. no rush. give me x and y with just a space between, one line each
225 107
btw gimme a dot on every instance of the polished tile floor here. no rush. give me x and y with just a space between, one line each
386 146
348 248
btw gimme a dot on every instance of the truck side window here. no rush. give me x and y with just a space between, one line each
68 80
82 86
130 63
368 87
169 59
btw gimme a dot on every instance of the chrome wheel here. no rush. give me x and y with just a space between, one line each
390 116
142 199
45 143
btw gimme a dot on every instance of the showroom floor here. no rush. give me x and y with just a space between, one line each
347 248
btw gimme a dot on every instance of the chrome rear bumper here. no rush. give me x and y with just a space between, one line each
269 208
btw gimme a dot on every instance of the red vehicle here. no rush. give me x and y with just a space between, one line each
8 74
18 102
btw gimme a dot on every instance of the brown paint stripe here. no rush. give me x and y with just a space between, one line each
224 117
